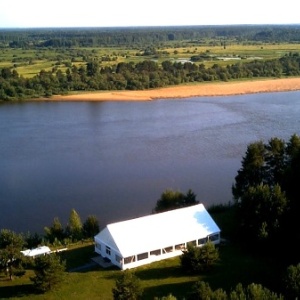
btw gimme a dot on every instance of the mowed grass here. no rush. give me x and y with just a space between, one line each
158 279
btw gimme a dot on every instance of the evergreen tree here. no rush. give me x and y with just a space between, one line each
49 272
55 232
198 259
11 258
174 199
90 226
75 229
292 281
128 287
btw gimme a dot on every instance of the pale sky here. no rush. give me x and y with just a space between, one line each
115 13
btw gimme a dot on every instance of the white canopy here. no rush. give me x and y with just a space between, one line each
37 251
158 231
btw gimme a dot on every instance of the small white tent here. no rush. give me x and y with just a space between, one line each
42 250
132 243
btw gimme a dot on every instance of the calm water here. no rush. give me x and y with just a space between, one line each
114 159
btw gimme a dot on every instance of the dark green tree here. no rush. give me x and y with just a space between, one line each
170 199
91 226
55 232
252 172
127 287
197 259
257 291
11 258
275 161
292 281
261 211
189 198
253 291
169 297
201 291
49 272
92 68
32 240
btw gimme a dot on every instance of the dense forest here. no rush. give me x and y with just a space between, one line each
129 36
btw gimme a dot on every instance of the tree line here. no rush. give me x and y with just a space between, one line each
11 243
147 74
133 36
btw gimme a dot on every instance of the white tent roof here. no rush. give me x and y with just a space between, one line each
37 251
158 231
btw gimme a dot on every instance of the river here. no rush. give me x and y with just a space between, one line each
115 159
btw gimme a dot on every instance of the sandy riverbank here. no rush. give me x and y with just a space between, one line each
187 91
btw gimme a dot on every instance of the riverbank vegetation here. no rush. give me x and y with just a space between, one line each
259 258
44 62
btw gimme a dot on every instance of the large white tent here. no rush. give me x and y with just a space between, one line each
132 243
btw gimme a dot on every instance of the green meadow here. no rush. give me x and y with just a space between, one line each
29 62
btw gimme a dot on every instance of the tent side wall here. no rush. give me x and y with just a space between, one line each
106 251
140 259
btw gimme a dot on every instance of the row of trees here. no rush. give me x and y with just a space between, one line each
74 231
143 75
99 37
128 287
12 261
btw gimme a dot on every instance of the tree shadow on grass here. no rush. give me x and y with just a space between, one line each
78 256
160 273
179 290
150 273
16 291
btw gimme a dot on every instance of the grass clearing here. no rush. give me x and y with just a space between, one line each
158 279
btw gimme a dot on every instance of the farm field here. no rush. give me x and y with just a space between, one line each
29 62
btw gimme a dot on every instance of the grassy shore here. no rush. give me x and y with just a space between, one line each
188 91
159 279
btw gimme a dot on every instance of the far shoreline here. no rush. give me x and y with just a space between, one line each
186 91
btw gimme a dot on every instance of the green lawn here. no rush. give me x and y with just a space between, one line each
236 265
158 279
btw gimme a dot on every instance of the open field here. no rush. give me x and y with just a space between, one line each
29 62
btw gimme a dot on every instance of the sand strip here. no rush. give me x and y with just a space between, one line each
188 91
